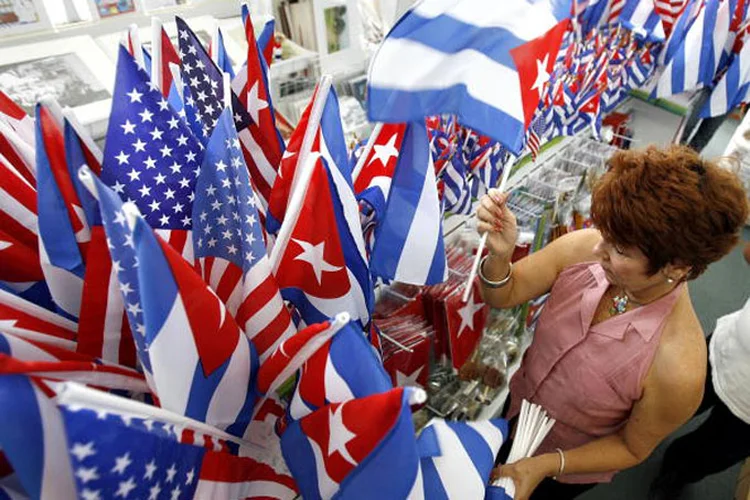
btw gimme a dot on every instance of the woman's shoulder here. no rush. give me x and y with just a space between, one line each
682 357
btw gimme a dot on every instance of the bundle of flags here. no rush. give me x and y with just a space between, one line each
156 295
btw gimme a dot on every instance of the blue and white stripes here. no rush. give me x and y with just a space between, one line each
457 457
454 56
732 89
409 244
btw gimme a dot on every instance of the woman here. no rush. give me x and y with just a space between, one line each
618 357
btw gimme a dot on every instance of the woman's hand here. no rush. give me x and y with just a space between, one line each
494 217
526 474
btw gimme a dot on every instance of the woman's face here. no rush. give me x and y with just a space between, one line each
625 267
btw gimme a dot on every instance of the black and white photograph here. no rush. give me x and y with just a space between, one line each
17 16
64 77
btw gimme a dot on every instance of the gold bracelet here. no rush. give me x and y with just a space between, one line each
562 463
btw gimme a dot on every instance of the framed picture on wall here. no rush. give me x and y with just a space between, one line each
111 8
152 5
337 32
74 71
22 16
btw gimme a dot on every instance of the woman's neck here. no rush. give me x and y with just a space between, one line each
651 294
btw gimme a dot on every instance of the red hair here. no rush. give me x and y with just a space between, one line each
670 203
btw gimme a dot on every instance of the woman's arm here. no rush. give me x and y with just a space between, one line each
671 396
534 275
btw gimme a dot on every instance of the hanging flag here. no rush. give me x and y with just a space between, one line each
320 261
462 458
409 244
696 59
64 232
731 89
344 368
641 18
150 156
229 242
471 59
120 448
348 448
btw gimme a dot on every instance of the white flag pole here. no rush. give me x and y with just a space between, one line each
483 242
156 70
303 173
366 152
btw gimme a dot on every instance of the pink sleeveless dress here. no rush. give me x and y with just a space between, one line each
587 377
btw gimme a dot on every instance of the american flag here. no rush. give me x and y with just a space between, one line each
151 157
536 134
205 81
135 451
229 242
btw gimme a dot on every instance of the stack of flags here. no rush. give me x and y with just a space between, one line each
155 296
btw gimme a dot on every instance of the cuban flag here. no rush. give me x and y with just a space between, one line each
150 156
342 369
409 244
696 59
26 320
320 262
119 448
732 88
267 40
229 242
16 118
372 182
32 435
485 62
261 141
457 191
640 17
364 448
458 456
64 232
203 364
195 357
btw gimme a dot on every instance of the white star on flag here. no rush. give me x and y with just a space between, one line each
313 255
339 435
467 313
385 152
541 75
254 104
403 380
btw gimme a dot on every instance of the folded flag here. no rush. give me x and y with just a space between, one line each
450 57
409 244
460 457
364 448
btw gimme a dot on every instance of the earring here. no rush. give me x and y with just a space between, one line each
670 280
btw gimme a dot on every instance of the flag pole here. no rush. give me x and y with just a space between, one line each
483 241
303 172
366 152
156 70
